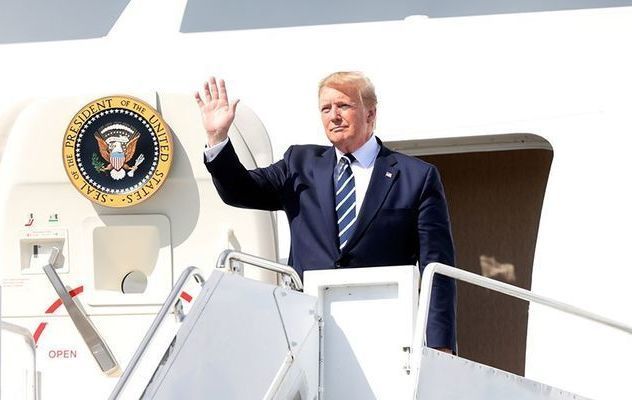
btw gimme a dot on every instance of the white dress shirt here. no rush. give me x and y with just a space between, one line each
210 152
362 166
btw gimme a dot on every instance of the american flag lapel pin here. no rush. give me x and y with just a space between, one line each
389 175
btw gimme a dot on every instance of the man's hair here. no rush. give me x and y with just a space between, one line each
353 79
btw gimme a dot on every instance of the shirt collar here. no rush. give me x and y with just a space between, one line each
366 154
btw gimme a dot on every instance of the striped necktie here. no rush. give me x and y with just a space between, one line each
344 184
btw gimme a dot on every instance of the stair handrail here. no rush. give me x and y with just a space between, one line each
28 338
227 257
151 332
419 337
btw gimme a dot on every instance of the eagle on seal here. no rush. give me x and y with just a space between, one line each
117 145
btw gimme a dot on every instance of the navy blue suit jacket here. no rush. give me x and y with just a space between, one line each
403 219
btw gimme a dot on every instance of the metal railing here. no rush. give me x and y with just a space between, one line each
226 261
28 338
160 317
228 257
430 270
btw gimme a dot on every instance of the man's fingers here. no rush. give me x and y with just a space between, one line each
198 99
207 92
213 85
223 96
233 106
212 93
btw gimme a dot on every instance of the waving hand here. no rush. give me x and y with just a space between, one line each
217 113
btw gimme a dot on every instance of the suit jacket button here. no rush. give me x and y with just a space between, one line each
338 264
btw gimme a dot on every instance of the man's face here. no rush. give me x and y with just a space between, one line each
347 123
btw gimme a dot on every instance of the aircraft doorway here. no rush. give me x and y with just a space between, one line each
495 187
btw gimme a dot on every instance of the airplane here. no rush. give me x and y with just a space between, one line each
525 114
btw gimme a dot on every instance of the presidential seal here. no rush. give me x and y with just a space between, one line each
117 151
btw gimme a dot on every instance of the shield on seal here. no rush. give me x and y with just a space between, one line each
117 159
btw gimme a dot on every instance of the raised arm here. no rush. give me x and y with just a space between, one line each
216 111
259 188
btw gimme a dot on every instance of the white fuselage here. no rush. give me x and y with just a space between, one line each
564 76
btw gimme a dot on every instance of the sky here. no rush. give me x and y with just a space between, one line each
46 20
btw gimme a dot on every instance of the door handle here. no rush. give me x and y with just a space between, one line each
95 342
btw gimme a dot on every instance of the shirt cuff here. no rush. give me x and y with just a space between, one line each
211 152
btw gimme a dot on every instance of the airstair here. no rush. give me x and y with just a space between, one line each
345 334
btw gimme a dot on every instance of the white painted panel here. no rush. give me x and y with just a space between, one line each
368 317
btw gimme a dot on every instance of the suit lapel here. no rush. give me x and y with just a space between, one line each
385 172
323 182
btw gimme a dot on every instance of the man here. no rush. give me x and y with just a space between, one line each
356 204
